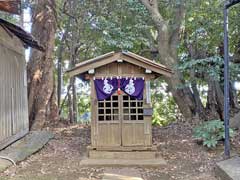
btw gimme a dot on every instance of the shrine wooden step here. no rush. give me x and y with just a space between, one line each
133 155
157 162
123 148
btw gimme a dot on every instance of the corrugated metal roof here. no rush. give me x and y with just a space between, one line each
27 39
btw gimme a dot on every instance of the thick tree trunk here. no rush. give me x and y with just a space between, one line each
40 66
182 95
233 99
188 100
214 100
168 39
53 107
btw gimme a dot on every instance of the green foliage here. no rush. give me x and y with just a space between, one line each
83 100
211 132
202 66
164 112
103 26
213 66
164 106
83 104
200 48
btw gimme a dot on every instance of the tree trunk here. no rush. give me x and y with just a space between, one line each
59 57
188 100
167 48
40 65
233 98
74 40
214 100
199 105
75 109
183 96
53 106
73 102
70 108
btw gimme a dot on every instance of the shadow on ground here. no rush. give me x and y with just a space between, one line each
59 160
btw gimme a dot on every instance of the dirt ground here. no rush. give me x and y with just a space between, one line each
60 158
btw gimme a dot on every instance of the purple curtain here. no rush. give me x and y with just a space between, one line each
105 88
134 87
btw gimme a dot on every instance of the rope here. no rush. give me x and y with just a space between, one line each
9 159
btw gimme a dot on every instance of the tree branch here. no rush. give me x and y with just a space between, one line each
160 23
152 6
174 37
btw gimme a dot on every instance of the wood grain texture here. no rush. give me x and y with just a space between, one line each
13 92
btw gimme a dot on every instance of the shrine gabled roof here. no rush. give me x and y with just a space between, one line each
126 56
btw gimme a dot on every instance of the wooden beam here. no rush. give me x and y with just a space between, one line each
92 65
143 64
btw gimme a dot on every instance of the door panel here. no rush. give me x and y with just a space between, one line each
109 122
133 134
109 134
132 122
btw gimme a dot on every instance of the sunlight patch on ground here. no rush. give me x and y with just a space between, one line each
121 174
119 177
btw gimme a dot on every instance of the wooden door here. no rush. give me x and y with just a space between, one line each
109 122
120 122
132 121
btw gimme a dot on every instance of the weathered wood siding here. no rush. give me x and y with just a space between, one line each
13 90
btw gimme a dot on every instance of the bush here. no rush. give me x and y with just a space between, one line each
211 132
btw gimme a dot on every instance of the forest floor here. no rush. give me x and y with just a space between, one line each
59 160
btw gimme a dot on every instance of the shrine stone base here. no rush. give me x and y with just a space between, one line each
121 158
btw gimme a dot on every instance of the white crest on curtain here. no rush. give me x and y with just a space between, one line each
130 88
107 88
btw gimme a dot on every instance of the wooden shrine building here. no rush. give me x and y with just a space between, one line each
121 110
13 82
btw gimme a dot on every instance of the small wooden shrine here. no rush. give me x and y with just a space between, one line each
121 109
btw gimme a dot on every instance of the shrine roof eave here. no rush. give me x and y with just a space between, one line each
85 66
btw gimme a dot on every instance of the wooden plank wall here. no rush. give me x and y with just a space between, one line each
13 94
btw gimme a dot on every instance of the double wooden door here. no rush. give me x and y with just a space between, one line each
120 122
